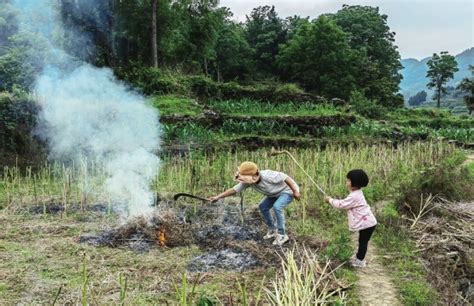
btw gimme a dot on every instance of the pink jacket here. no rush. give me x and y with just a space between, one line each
358 211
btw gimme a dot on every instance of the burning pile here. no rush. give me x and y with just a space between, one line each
232 238
141 234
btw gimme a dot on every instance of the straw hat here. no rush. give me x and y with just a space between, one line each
248 173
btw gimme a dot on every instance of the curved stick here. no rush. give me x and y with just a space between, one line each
178 195
275 152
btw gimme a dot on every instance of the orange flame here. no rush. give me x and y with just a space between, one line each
161 237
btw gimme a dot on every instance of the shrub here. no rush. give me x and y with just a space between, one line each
288 89
154 80
447 178
293 93
230 90
202 86
366 107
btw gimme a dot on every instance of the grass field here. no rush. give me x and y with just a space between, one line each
43 262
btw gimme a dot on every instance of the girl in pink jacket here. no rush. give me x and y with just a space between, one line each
360 216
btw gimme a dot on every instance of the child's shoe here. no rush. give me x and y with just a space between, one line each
358 263
280 239
271 234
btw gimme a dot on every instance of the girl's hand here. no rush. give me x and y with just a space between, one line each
327 199
297 195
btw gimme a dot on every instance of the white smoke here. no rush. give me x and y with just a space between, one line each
87 113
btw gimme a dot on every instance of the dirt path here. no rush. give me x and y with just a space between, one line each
375 286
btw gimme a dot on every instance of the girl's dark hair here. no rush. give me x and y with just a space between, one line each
358 178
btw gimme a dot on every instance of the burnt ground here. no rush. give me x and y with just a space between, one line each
231 239
59 208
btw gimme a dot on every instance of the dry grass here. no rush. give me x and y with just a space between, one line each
40 254
445 240
304 281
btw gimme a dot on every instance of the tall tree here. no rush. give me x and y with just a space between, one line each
378 71
467 86
320 58
154 44
233 53
440 70
94 20
265 31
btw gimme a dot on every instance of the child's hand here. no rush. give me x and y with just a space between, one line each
327 199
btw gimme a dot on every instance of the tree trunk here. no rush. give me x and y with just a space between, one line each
439 96
206 70
219 75
154 44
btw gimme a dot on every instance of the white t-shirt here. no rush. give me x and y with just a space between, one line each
272 184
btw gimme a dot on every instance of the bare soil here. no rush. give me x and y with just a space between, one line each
375 286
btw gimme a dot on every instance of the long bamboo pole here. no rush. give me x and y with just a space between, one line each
275 152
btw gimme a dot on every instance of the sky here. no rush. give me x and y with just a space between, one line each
422 27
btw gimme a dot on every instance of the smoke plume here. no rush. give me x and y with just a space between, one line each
87 113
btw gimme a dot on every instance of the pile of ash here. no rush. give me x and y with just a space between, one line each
229 259
232 239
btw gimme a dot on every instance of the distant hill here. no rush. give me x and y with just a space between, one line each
414 73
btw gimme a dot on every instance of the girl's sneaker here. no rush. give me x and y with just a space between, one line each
281 239
270 234
358 263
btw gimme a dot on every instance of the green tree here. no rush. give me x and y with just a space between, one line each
320 58
467 86
8 23
378 75
132 36
165 33
22 54
440 70
417 99
233 53
205 22
292 23
265 31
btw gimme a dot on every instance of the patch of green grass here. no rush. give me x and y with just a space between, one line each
390 211
189 132
247 107
418 113
3 287
340 247
398 253
171 105
470 169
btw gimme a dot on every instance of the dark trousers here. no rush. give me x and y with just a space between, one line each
364 237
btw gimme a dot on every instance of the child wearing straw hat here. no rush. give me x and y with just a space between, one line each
279 190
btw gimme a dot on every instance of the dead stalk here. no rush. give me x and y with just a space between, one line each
424 207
